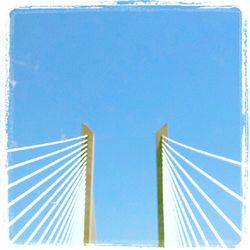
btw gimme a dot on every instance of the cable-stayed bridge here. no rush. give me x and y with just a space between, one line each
51 195
189 215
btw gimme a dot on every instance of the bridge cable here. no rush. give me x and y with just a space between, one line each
44 156
68 200
219 157
18 198
181 203
72 185
62 220
178 227
200 209
26 177
11 150
14 220
24 228
219 184
207 198
180 213
193 217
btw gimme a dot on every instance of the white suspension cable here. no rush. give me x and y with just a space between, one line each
219 184
43 156
171 228
72 184
180 230
63 241
65 217
14 220
176 234
67 238
74 220
219 157
79 212
21 196
77 228
208 199
65 226
66 201
68 223
179 219
183 228
11 150
182 223
26 177
70 236
210 225
186 204
24 228
183 211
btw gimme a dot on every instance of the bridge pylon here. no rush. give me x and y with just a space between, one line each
89 218
161 132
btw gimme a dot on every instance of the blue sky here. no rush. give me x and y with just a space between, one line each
125 72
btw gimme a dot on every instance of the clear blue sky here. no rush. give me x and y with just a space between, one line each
125 72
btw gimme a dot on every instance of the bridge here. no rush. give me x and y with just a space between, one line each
51 195
187 209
